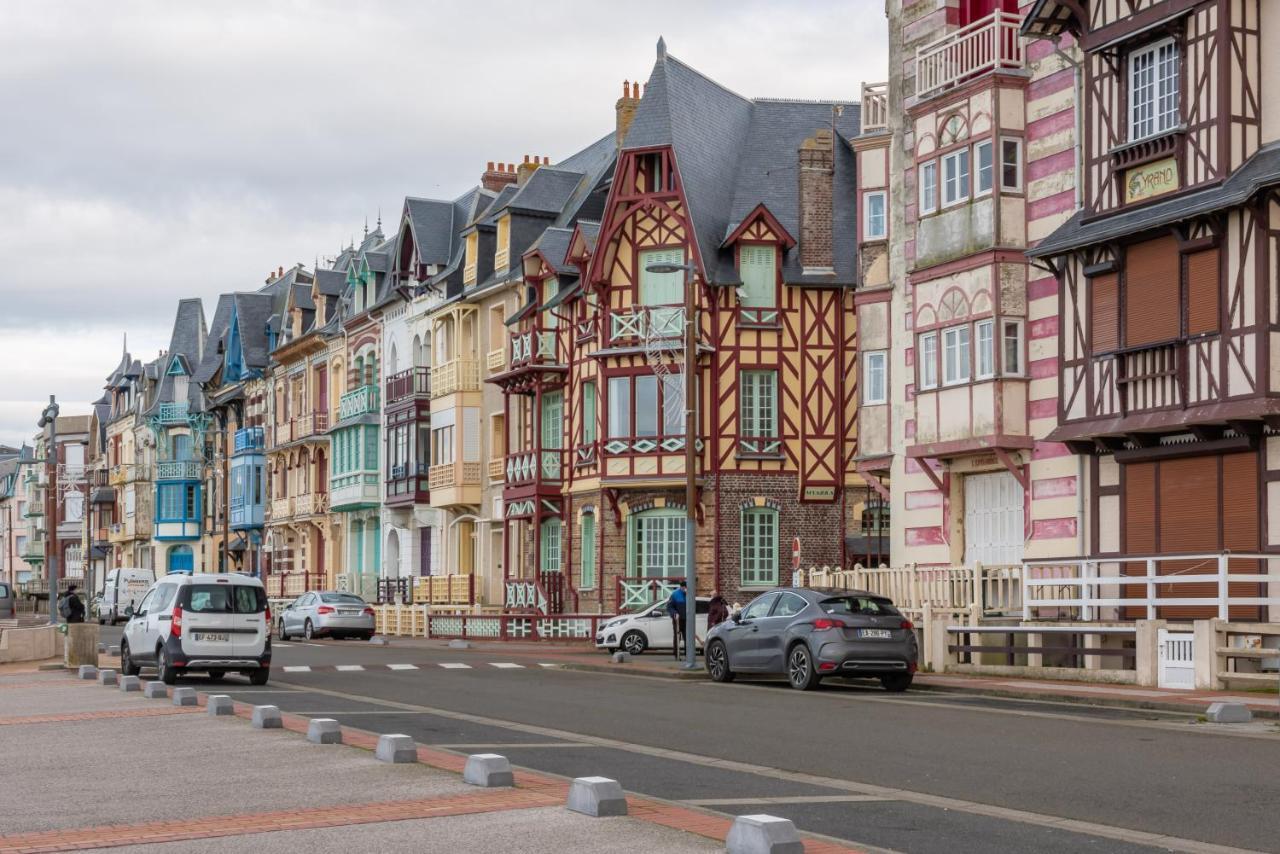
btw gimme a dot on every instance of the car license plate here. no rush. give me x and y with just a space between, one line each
349 613
210 636
882 634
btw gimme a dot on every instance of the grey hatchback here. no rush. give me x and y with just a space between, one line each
806 634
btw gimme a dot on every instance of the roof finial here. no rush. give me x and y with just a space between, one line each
366 226
379 217
662 48
125 350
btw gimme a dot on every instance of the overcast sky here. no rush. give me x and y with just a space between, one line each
160 150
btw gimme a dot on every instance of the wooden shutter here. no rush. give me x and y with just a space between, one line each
1203 288
1151 292
756 265
1189 519
1139 526
1241 529
1104 306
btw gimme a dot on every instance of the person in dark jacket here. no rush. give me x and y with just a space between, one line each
718 611
71 608
675 608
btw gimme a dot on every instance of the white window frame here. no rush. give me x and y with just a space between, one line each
875 367
1019 369
1162 75
928 188
984 356
989 147
1016 142
927 360
960 184
869 232
957 339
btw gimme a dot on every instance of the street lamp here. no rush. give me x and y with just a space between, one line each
690 457
49 420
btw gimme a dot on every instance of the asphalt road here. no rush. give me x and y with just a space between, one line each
914 772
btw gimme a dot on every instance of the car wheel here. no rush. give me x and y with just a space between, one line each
896 682
165 671
308 631
718 663
634 642
368 636
127 665
102 621
280 632
260 676
801 673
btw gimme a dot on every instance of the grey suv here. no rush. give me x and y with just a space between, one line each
807 634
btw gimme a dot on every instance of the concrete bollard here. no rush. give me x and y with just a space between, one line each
621 657
102 648
155 690
763 834
380 640
81 645
396 748
1229 713
219 705
266 717
106 677
459 644
113 650
324 731
597 796
489 770
130 683
87 671
184 696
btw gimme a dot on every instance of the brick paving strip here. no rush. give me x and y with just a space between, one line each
71 717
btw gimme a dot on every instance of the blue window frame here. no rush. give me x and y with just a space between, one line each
178 502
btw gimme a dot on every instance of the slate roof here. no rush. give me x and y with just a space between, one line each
252 313
554 244
590 233
212 361
546 191
1259 171
186 342
734 153
431 221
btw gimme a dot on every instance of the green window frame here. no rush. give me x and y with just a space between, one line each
587 576
661 288
588 412
550 545
759 549
758 404
656 543
370 448
758 266
550 288
553 420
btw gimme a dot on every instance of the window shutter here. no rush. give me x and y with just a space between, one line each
1104 325
1241 531
661 288
1202 292
756 264
1151 301
1189 501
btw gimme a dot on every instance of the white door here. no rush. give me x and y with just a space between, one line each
1177 660
993 533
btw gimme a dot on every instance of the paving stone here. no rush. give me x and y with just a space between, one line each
489 770
324 731
396 747
266 717
1229 713
113 650
184 696
219 705
155 690
130 683
87 671
597 796
763 834
106 677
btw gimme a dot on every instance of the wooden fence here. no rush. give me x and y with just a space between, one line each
970 592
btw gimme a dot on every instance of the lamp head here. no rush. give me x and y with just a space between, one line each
668 268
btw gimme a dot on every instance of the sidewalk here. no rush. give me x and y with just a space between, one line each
106 769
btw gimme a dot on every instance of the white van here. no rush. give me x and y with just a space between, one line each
123 589
214 623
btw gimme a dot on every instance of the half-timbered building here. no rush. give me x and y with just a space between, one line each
1167 285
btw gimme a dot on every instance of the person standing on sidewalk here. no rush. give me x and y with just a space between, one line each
71 608
675 608
717 611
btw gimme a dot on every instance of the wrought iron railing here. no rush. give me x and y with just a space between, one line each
178 470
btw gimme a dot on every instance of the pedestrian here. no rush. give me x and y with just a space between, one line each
718 611
71 608
675 608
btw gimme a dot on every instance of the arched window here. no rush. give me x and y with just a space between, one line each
655 547
759 547
180 559
419 356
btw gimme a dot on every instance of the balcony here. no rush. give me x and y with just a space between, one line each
34 510
532 348
136 527
407 484
178 470
875 107
302 427
585 331
73 565
497 470
354 491
173 413
529 467
311 504
991 44
249 439
71 473
360 401
453 475
644 322
119 475
33 551
281 509
496 361
454 376
415 382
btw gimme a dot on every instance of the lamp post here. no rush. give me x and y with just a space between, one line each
49 421
690 455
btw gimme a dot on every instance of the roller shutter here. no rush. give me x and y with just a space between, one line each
1152 272
1104 326
1202 292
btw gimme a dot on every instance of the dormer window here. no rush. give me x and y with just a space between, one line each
1153 90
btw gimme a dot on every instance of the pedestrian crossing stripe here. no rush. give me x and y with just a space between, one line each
506 665
402 667
455 666
544 664
297 669
349 667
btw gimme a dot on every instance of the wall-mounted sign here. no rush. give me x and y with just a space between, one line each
1150 179
818 493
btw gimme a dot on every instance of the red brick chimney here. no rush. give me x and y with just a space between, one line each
817 171
499 176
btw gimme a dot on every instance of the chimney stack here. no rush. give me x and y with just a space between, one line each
626 108
497 176
527 168
817 172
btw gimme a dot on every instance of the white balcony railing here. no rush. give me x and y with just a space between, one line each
178 470
991 44
875 106
643 322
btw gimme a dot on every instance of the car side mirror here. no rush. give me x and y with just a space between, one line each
737 618
128 612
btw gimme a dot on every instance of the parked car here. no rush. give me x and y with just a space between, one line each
121 589
326 613
647 629
807 634
203 623
8 602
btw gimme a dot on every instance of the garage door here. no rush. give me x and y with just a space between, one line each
993 527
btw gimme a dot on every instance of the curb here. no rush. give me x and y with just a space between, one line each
632 670
1075 699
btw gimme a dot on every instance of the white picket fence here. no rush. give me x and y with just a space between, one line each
967 591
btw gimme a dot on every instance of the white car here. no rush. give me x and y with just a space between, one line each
205 623
648 629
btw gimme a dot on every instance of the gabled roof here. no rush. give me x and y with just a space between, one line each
590 231
553 245
431 222
490 214
186 344
331 283
252 313
212 361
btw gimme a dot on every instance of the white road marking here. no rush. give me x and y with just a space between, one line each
792 799
543 664
298 668
453 665
402 667
506 665
349 667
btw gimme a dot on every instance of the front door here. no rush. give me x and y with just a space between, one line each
771 638
993 520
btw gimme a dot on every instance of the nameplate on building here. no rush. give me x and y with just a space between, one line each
818 493
1150 180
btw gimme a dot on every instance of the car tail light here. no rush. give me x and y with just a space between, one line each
911 668
324 609
268 615
906 624
826 623
827 665
368 612
176 622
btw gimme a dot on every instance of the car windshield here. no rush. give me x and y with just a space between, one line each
225 599
341 599
4 591
864 605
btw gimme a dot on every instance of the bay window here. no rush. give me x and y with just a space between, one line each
927 359
955 355
955 177
928 187
985 331
1011 333
982 153
875 383
1011 164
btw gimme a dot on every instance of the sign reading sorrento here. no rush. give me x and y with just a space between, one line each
1150 179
